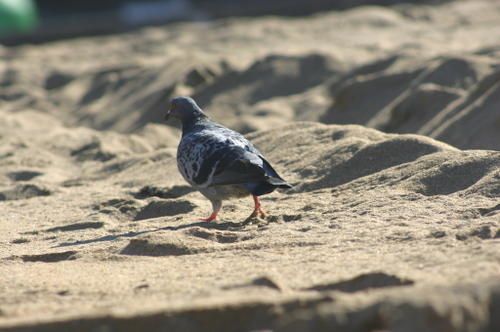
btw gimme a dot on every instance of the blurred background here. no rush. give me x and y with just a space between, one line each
425 67
37 21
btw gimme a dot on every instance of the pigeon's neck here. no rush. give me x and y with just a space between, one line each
190 124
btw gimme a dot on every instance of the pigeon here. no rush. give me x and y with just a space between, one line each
219 162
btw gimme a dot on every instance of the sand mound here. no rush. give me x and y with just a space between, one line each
23 191
414 214
434 100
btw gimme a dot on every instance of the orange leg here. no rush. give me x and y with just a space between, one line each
216 205
257 209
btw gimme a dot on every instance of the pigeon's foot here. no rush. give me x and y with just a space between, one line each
216 205
212 217
257 212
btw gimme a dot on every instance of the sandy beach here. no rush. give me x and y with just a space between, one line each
386 120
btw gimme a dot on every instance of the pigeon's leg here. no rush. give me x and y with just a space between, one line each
257 209
216 205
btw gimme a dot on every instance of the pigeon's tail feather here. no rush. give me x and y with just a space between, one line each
279 182
260 188
267 186
271 182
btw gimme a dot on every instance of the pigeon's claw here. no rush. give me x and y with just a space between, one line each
212 217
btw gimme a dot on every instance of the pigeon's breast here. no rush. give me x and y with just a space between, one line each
189 158
198 156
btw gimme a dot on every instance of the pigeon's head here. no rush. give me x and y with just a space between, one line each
185 109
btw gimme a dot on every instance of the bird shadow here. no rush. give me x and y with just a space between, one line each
229 225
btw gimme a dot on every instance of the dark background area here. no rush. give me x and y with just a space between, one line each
59 19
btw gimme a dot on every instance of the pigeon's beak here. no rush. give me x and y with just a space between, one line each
167 116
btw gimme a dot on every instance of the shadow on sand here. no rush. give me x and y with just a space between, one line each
209 225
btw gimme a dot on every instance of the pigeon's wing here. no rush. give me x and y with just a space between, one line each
236 167
216 155
227 163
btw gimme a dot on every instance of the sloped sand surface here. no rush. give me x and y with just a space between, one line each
385 228
376 227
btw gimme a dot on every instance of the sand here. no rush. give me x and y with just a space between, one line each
385 120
